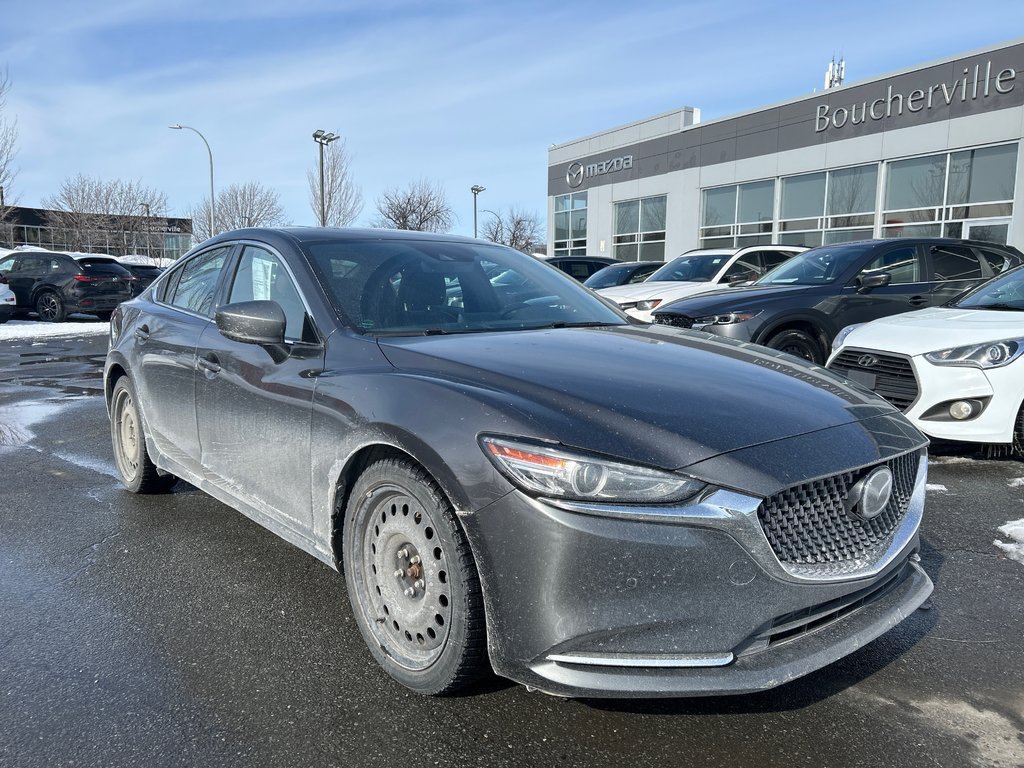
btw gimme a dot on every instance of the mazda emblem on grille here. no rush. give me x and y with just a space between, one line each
869 498
867 361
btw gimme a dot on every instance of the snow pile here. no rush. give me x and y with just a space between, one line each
1017 482
1013 549
27 329
936 488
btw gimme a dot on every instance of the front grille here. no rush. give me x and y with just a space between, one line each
812 533
889 376
678 321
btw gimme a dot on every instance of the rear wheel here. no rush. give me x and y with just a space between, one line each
799 344
138 472
412 580
50 307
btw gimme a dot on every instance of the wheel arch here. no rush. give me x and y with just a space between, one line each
817 325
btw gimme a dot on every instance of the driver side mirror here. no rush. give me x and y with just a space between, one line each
255 322
879 280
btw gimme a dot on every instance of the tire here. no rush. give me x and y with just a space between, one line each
799 344
138 473
433 641
1017 447
105 316
50 307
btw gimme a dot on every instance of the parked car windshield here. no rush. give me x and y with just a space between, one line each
692 268
407 287
817 266
1003 292
613 275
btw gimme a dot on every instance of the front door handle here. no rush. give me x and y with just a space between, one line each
209 364
918 301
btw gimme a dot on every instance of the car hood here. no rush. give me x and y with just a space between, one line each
928 330
666 290
733 299
655 395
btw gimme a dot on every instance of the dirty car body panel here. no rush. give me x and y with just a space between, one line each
766 571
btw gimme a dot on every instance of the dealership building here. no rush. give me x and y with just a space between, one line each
929 151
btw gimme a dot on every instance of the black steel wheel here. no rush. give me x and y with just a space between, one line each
412 580
799 344
137 471
50 307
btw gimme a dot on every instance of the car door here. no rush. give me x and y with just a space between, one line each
164 349
10 268
254 410
25 273
954 269
908 287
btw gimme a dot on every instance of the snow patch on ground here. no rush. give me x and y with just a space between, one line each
936 488
28 329
951 460
16 421
1017 482
1014 548
993 736
88 462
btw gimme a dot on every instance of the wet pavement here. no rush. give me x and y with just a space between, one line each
170 630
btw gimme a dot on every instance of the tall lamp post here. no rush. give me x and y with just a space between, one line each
149 239
476 189
178 127
323 138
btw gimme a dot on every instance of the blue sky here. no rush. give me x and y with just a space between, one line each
459 93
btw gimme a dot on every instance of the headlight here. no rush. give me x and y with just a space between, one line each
553 472
648 305
992 354
725 319
837 342
627 305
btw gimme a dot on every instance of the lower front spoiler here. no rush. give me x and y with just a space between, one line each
745 674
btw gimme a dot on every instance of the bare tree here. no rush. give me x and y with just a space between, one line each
239 206
92 214
515 228
8 138
421 206
343 200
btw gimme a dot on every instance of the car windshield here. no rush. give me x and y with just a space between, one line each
412 287
611 276
691 268
817 266
1005 292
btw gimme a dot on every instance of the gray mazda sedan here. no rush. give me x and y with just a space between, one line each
514 476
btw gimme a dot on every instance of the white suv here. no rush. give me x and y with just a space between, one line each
698 272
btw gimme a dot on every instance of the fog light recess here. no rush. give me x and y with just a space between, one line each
961 409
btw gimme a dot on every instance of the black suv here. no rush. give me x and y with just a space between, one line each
55 285
580 267
801 305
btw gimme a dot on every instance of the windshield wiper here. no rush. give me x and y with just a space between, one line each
563 324
1000 306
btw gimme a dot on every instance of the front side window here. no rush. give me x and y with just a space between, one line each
903 266
261 277
197 281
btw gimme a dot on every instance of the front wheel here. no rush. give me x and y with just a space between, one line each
50 307
138 472
1017 447
799 344
412 580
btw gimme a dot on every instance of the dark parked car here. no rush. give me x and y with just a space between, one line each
500 486
55 284
580 267
623 273
143 275
801 305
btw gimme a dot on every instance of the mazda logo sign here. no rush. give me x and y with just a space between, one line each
867 361
574 175
870 496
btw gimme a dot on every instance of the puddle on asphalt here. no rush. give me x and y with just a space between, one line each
16 421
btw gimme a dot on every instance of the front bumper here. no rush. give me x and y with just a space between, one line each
590 605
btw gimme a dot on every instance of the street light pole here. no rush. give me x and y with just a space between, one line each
323 138
178 127
149 234
476 189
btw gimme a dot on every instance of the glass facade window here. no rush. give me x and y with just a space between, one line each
738 215
571 224
941 194
640 229
828 207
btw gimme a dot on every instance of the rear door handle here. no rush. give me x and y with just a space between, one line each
918 301
142 333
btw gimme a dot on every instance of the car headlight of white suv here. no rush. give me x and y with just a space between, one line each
991 354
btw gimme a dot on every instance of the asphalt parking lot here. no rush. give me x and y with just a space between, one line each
170 630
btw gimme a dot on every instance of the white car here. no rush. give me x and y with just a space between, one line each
7 301
956 371
698 272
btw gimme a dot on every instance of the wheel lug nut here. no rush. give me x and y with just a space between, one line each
403 553
410 591
414 559
418 584
399 573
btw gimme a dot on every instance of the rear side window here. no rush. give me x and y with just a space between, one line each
955 262
197 281
771 259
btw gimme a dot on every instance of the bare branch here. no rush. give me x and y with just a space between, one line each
343 200
515 228
421 206
239 206
8 140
